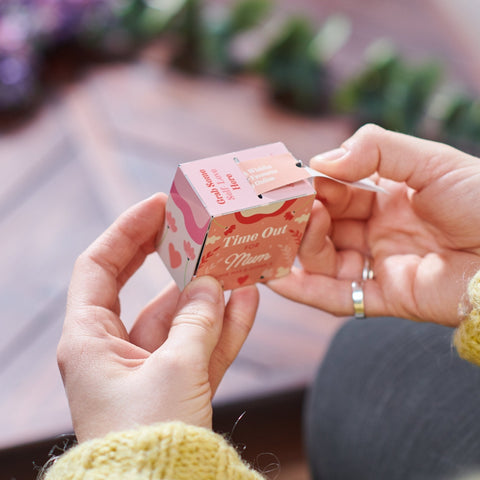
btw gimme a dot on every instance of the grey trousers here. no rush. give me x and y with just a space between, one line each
392 400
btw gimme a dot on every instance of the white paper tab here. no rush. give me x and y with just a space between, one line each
364 184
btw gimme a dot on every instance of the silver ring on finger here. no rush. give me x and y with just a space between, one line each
367 272
358 300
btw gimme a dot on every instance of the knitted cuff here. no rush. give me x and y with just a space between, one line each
168 451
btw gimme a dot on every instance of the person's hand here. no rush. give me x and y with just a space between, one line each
171 363
423 237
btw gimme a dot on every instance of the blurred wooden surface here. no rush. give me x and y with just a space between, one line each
115 136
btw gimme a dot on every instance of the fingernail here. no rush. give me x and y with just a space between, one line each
204 288
331 155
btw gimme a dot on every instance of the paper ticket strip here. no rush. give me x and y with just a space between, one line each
267 173
239 217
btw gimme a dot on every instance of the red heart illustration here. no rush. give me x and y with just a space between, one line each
242 280
175 257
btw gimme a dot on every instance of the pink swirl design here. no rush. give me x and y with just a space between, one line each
196 232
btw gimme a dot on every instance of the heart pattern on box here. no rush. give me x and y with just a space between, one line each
175 256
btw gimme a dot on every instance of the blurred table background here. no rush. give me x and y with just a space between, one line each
112 136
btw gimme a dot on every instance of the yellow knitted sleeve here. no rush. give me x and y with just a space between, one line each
167 451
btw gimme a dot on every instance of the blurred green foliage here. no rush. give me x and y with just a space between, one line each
294 64
389 91
127 25
293 60
460 124
203 44
296 77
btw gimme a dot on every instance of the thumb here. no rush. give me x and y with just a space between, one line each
392 155
197 324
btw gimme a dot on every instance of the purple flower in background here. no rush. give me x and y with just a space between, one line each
17 60
29 27
17 82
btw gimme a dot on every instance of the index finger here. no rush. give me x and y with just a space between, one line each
103 267
343 201
393 155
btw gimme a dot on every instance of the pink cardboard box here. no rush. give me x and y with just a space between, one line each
217 224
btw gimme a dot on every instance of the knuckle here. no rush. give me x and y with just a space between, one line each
369 134
72 352
81 261
368 138
371 129
63 355
197 318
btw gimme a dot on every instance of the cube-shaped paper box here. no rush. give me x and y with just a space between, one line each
217 224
